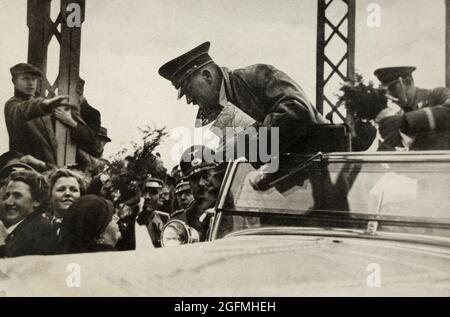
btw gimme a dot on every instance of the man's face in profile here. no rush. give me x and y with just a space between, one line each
201 89
403 90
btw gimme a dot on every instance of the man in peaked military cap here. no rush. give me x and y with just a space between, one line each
183 194
204 176
197 165
263 92
426 114
150 217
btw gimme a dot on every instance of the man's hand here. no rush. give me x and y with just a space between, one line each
124 211
65 117
390 128
34 162
55 101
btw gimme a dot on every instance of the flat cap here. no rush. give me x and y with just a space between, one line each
181 67
8 156
23 68
387 75
14 165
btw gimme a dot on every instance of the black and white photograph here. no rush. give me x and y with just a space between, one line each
225 149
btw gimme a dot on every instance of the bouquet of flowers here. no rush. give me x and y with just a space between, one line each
363 101
128 171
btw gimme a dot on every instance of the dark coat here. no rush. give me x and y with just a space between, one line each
92 118
90 115
154 223
31 129
34 235
273 99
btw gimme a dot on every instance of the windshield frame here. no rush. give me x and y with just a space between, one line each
384 157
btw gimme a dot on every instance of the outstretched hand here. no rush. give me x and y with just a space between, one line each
34 162
55 101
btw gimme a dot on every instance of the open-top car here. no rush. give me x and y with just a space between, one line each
335 224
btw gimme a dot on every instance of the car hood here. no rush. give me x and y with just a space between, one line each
253 265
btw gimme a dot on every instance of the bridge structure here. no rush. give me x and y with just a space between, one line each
332 65
42 31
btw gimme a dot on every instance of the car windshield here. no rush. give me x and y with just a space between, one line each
397 191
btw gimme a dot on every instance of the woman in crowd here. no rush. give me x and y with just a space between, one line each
90 225
65 188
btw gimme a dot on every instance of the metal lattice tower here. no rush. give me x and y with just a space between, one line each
41 31
335 51
447 43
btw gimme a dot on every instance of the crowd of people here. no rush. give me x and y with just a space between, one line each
64 210
94 205
87 206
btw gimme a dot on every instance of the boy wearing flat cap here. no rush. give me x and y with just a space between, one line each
426 114
26 106
263 92
30 119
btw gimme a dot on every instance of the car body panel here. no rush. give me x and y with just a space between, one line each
250 265
380 254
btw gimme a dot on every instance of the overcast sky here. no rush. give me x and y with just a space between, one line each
125 42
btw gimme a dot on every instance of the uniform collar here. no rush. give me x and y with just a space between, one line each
223 100
225 91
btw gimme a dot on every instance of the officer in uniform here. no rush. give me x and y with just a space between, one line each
183 194
200 172
426 112
261 91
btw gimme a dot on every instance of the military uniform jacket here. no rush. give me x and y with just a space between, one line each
192 217
31 130
34 235
428 118
273 99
